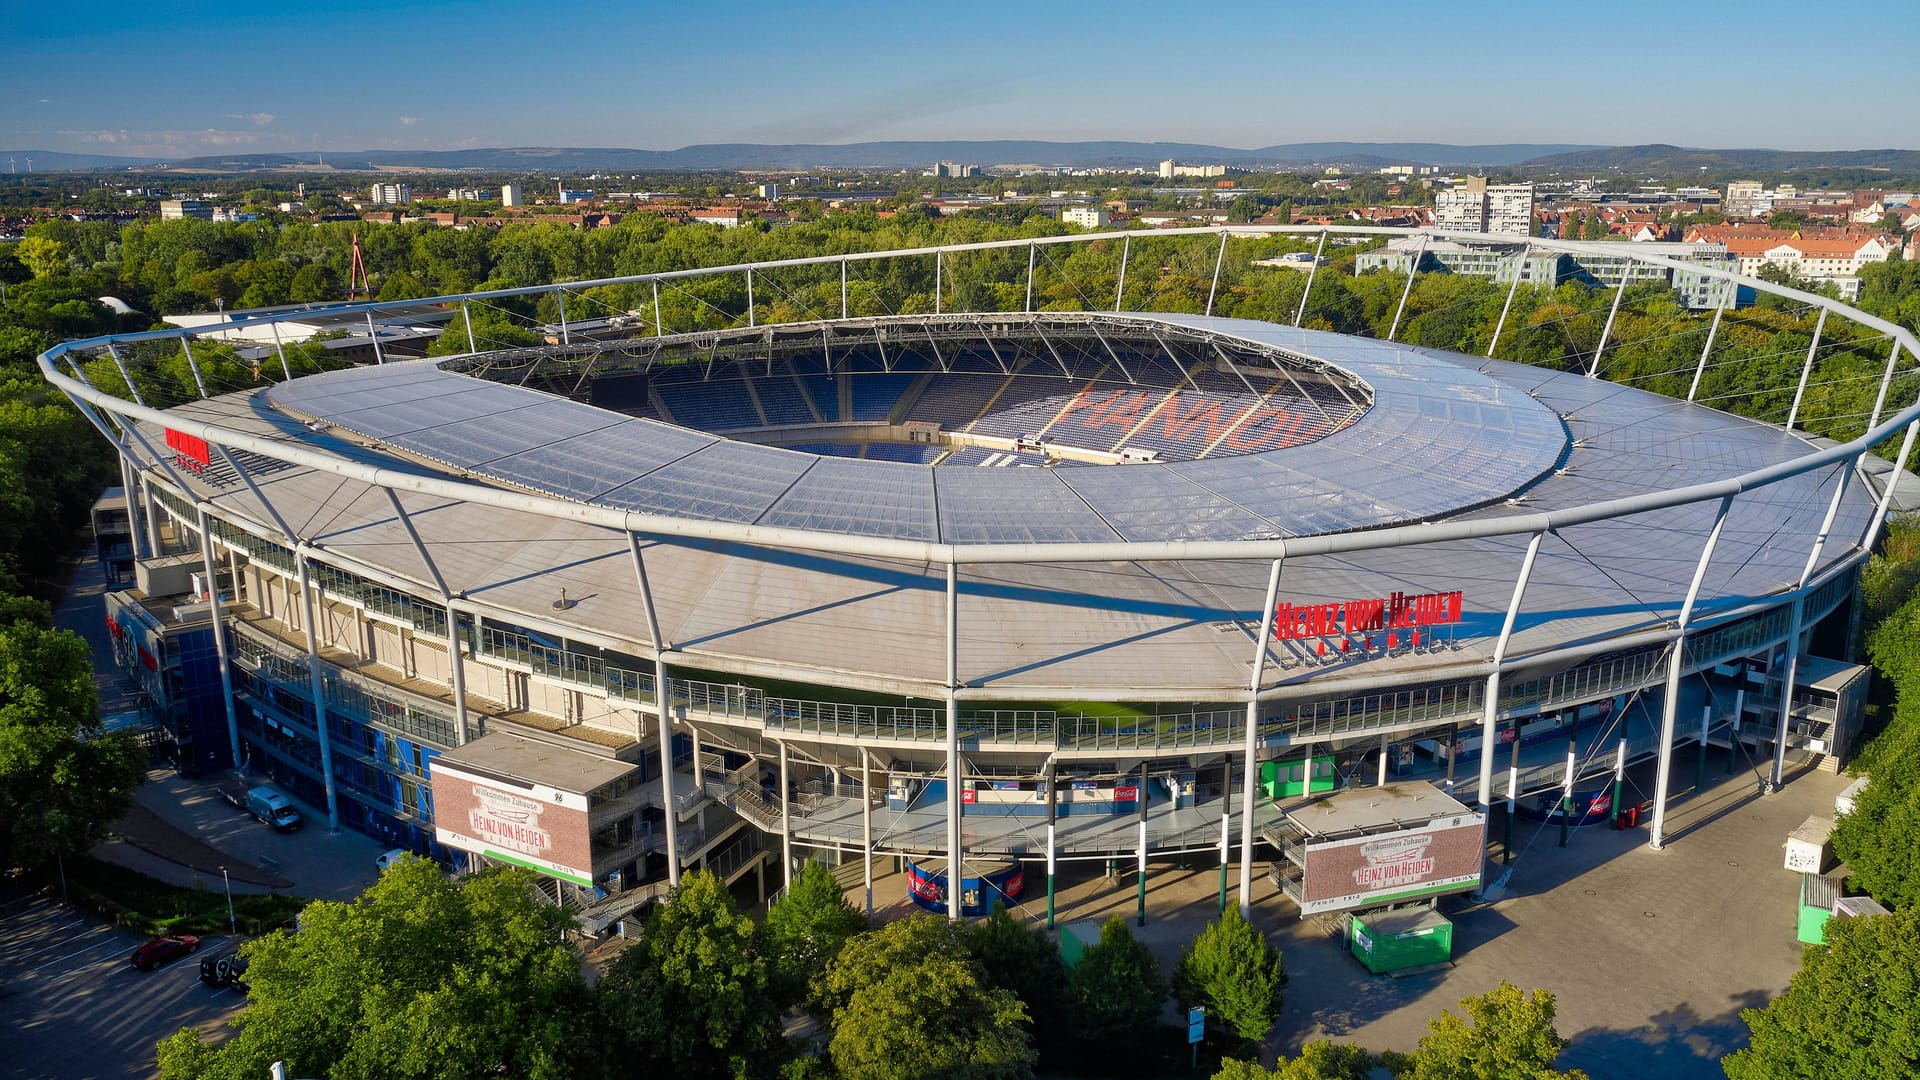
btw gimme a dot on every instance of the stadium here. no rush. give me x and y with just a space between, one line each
984 590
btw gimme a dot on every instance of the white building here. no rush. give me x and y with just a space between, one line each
171 209
1476 206
390 194
1087 217
511 195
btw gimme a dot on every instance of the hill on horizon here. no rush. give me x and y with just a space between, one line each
1653 158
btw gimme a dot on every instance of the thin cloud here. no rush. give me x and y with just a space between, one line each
409 121
257 119
175 143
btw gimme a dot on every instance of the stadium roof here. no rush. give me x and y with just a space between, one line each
1440 437
1166 631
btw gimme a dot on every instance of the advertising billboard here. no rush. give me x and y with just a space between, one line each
1442 856
530 825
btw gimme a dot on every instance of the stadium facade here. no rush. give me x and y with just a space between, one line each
971 587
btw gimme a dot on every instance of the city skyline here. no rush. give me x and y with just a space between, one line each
188 80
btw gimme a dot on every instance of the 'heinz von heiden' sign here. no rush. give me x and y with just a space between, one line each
1397 611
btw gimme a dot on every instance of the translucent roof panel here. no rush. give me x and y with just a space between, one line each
1014 506
726 481
1151 502
471 443
421 410
589 465
847 495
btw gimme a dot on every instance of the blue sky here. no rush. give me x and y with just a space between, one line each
177 79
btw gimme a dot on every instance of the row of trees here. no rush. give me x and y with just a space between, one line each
425 976
1853 1009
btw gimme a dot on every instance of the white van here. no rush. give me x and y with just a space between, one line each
273 808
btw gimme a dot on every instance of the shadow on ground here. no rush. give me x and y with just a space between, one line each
1678 1044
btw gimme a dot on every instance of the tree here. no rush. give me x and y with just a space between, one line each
1323 1060
421 976
63 781
1511 1037
866 957
1026 963
1853 1008
807 927
42 256
315 282
1234 972
935 1017
1115 994
693 998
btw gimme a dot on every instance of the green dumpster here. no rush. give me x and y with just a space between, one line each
1390 941
1076 939
1818 894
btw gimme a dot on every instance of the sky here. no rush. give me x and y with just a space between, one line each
146 79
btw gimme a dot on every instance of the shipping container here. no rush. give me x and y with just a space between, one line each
1390 941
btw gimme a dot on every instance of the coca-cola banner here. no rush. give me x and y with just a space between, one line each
1445 855
533 826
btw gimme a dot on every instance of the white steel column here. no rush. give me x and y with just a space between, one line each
750 315
843 287
1626 275
1712 332
317 686
1788 678
186 346
937 280
1032 249
142 493
953 740
1219 260
1879 519
1413 271
659 320
379 357
457 667
566 335
663 706
1253 739
1806 369
1300 313
786 826
866 825
1886 380
217 610
1676 659
1489 722
466 313
1120 290
1519 268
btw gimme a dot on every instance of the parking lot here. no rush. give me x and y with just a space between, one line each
72 1006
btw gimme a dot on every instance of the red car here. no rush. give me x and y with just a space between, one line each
162 949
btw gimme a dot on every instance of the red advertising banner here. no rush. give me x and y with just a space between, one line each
525 827
1445 855
191 447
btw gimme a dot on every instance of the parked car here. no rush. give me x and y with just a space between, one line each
273 808
228 970
388 858
162 949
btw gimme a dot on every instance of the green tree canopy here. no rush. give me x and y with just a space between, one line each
693 999
1234 972
62 781
1025 962
1506 1035
807 927
866 957
420 977
1322 1060
1852 1010
1115 994
933 1017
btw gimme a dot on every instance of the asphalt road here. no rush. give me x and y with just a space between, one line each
73 1008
